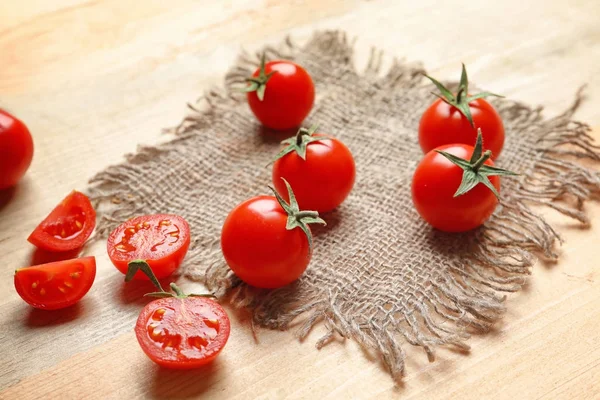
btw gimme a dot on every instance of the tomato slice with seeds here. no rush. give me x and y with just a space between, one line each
56 285
182 333
68 226
162 240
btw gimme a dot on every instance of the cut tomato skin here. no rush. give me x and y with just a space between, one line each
162 240
434 183
56 285
289 96
68 225
443 124
182 333
259 249
321 181
16 149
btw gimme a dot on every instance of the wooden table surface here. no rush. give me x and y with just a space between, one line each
93 79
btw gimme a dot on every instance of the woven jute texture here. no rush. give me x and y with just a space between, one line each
379 274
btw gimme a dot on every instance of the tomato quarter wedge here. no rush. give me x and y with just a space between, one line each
162 240
68 226
56 285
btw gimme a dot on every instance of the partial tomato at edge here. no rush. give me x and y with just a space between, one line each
68 225
162 240
434 184
182 333
16 150
56 285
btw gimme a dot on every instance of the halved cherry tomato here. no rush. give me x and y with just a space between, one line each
280 94
320 168
162 240
56 285
261 247
16 149
182 333
68 226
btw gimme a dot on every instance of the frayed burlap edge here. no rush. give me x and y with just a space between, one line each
502 253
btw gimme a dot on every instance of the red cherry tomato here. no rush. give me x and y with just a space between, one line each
162 240
323 179
434 184
288 97
67 227
258 247
16 150
443 124
182 333
56 285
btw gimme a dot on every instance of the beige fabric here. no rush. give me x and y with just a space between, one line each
379 274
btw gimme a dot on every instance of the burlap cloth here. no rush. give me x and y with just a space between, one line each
379 274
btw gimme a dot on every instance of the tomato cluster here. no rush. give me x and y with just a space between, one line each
266 240
456 186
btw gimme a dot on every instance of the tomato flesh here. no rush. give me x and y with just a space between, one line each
443 124
259 249
321 181
16 149
182 333
289 96
56 285
67 227
435 181
162 240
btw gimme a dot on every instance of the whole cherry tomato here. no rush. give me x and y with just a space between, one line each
280 94
267 242
56 285
181 331
16 149
455 187
456 119
68 225
320 168
161 240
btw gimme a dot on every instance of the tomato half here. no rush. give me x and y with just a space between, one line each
259 249
182 333
323 179
434 184
56 285
162 240
67 227
16 149
443 124
289 94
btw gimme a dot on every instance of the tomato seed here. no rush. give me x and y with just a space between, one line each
164 222
34 285
68 284
62 289
42 291
79 224
75 275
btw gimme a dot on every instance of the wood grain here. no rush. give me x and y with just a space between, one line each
93 79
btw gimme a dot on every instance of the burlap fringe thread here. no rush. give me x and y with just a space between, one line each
500 255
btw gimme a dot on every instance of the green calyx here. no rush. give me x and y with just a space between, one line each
299 142
141 265
297 218
258 84
474 170
462 99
